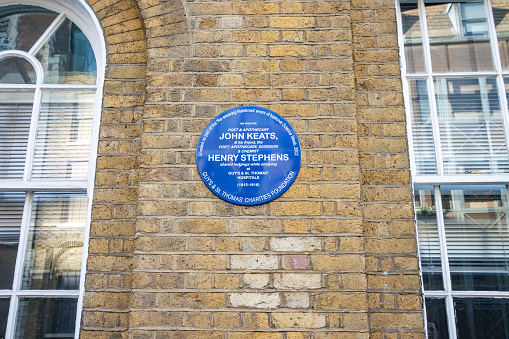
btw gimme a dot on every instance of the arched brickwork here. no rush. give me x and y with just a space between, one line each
109 267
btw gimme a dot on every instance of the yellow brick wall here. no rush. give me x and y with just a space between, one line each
334 257
392 269
112 231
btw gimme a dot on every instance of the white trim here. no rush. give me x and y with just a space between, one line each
455 74
18 269
49 86
33 135
11 318
446 270
431 88
460 179
42 293
52 185
30 58
467 294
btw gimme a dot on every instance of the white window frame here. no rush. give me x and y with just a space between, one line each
440 178
82 15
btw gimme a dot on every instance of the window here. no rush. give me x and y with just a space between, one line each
51 64
455 63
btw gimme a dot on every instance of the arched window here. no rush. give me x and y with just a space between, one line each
51 73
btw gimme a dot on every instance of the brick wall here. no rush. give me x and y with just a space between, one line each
334 257
108 279
394 301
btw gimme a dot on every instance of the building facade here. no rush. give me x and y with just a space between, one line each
107 230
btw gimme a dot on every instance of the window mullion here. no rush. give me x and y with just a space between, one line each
487 118
32 135
493 37
446 270
11 318
47 34
23 236
498 68
431 89
18 270
425 38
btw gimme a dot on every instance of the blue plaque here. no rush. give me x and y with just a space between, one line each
248 155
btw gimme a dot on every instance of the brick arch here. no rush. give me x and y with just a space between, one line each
167 28
109 267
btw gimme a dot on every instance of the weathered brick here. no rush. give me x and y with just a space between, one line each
251 262
297 281
303 320
295 244
255 300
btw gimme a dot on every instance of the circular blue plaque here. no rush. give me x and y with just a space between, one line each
248 155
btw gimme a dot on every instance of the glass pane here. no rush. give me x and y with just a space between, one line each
437 319
471 126
63 135
15 116
21 26
67 57
46 318
55 241
475 219
482 318
501 17
4 313
413 39
15 70
11 212
506 85
422 129
458 37
429 243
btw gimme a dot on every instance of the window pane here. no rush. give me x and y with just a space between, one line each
471 126
55 241
11 212
482 318
46 318
458 37
4 313
63 135
413 39
21 26
15 70
15 116
506 85
67 57
501 17
437 319
429 244
422 129
475 219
